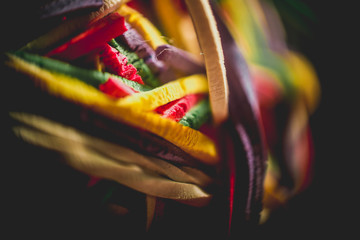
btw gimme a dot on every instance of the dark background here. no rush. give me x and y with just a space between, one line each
328 207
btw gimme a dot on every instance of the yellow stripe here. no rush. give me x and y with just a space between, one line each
191 141
174 23
147 101
304 79
170 19
146 29
239 16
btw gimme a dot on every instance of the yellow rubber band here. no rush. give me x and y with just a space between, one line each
146 29
191 141
148 101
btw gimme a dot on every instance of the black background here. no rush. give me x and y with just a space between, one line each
328 207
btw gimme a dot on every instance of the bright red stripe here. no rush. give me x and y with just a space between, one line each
177 109
116 88
95 36
117 63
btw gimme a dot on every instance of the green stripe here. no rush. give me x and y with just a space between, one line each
142 69
94 78
91 77
197 116
136 86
